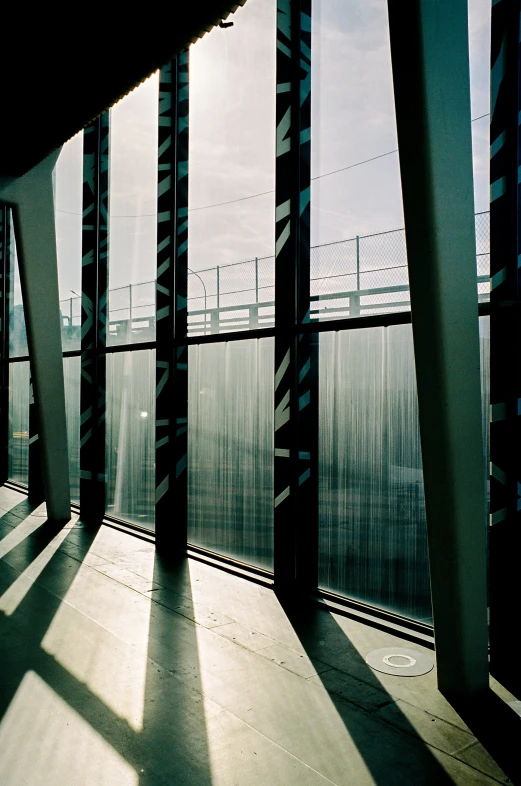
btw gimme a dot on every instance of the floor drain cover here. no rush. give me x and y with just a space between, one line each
400 662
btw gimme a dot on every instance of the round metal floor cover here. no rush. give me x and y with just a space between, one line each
400 662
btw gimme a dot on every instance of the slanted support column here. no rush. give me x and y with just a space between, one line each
32 202
429 48
171 304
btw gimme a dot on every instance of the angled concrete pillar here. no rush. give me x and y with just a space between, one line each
31 199
429 47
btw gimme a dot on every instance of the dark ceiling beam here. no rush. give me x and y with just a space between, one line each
60 73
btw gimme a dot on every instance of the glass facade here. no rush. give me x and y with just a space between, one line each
373 536
357 266
230 449
71 374
18 451
130 436
370 525
133 215
232 174
68 183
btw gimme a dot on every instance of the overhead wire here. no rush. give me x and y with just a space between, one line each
272 191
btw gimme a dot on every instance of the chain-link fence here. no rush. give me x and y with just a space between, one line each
364 275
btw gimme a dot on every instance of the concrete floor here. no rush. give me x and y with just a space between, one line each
118 669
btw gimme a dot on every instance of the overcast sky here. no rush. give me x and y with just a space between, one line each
232 143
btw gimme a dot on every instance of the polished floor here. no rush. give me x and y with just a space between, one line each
117 669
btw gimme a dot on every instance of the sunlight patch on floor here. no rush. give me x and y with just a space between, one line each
18 534
105 645
292 713
17 591
44 741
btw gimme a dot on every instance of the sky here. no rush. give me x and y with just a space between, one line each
232 146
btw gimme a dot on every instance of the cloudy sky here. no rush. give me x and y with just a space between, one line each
232 143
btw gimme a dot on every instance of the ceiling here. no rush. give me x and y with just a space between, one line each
62 66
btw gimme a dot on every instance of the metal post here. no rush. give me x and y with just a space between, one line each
256 279
218 294
358 262
354 300
432 98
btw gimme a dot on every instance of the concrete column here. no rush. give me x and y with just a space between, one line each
429 47
32 201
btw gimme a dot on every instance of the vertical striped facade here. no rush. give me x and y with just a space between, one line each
94 317
295 459
308 343
171 304
505 336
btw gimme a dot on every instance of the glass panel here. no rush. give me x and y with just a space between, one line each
19 422
230 449
479 56
133 215
71 373
131 391
232 174
479 59
68 179
358 259
373 536
17 332
356 187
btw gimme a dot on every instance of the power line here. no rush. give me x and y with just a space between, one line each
272 191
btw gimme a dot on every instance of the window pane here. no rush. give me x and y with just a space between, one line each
133 215
373 535
68 179
358 257
17 332
230 449
356 186
232 174
130 457
71 373
19 422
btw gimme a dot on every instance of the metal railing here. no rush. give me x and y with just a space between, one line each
366 274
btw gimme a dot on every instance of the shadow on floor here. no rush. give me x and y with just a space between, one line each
393 758
53 678
498 727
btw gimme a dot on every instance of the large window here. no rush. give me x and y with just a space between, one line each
130 436
230 449
133 215
232 174
357 266
68 176
360 381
